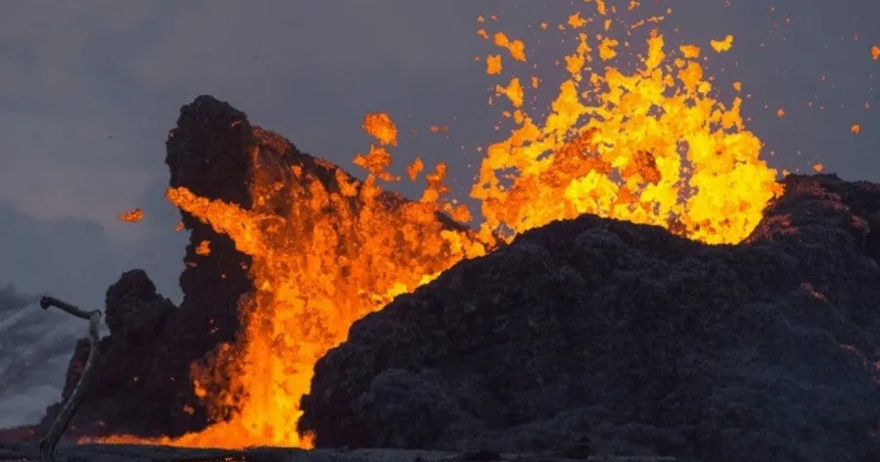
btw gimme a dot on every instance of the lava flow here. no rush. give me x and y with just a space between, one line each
649 146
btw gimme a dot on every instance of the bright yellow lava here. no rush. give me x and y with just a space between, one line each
648 147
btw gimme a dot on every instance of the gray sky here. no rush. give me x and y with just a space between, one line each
89 89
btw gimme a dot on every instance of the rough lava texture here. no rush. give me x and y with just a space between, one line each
209 153
642 341
136 316
133 309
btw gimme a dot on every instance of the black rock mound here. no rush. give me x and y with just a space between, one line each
644 342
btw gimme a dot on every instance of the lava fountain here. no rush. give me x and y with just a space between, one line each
650 146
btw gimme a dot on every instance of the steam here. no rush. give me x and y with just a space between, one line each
34 352
11 299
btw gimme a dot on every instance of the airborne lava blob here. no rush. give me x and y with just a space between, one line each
649 146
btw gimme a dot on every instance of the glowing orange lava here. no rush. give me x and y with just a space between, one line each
132 216
344 249
649 146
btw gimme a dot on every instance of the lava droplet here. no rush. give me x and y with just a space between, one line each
132 216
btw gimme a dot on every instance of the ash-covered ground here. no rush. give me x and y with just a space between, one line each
642 342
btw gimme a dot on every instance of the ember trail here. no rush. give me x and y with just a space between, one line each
650 146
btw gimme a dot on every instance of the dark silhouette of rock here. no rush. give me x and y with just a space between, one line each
137 318
133 308
208 152
124 453
644 342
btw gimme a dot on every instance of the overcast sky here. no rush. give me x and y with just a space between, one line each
90 88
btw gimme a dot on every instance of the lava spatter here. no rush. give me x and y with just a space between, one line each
651 145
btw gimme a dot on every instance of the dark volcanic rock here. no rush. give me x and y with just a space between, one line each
133 308
137 317
642 341
209 152
215 153
123 453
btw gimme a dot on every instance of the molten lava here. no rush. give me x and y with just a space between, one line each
344 249
649 146
132 216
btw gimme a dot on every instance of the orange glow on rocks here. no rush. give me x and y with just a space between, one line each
204 248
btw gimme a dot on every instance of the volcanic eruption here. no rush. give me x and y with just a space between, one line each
302 250
651 146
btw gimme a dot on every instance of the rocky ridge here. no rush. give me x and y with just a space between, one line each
644 342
